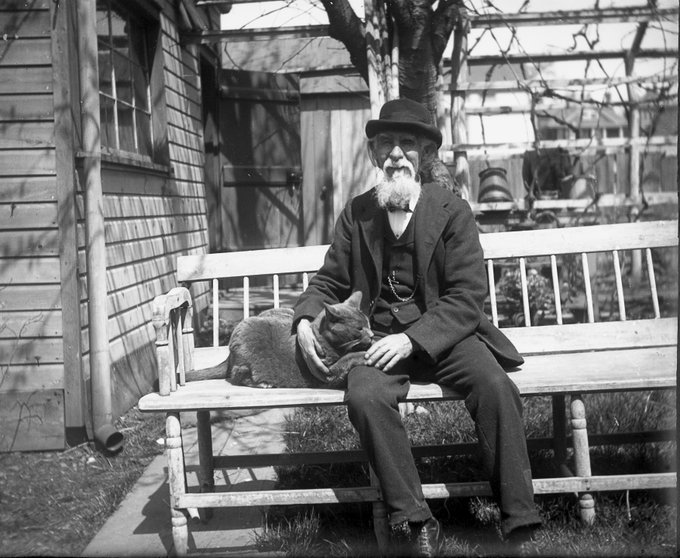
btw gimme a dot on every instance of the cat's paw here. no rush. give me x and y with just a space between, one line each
240 376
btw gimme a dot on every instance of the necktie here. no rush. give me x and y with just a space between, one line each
397 207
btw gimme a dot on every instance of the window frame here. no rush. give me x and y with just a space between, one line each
156 156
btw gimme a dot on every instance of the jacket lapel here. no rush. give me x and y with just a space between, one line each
372 226
431 219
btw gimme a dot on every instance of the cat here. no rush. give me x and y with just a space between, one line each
262 349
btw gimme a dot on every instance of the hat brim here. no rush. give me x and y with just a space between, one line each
374 127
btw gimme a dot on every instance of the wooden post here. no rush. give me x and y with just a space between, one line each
393 90
635 190
559 432
634 135
63 74
579 434
380 526
376 75
206 470
459 77
175 456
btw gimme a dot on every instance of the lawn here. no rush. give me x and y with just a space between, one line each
53 503
635 523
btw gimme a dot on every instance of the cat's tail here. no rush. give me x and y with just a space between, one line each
217 372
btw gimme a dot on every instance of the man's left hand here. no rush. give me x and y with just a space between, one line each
389 350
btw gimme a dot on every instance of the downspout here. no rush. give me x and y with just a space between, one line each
105 434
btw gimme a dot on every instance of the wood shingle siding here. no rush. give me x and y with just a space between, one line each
153 212
151 217
31 343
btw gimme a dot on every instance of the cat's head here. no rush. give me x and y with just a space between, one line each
345 327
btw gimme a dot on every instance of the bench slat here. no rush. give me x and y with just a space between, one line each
628 236
619 370
251 263
593 336
548 339
600 238
430 491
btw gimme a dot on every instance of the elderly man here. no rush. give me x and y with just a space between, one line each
413 250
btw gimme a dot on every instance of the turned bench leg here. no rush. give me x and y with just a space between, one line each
176 482
380 525
582 455
206 470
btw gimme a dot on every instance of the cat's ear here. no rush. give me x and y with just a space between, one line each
331 312
355 299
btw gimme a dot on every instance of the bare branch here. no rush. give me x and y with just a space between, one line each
449 15
347 28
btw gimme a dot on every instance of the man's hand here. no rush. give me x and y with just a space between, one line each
310 350
389 350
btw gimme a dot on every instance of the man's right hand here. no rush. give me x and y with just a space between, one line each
311 350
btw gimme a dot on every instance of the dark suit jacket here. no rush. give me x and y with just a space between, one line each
450 270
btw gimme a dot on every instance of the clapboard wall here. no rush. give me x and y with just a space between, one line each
151 217
153 213
31 344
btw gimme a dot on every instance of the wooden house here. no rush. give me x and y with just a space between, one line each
101 186
129 136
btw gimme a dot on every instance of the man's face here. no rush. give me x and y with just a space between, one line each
397 153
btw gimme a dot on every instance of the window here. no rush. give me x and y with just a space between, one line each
123 40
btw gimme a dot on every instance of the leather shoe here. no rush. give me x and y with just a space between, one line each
423 538
428 538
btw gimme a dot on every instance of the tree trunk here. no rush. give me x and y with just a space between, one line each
417 67
422 34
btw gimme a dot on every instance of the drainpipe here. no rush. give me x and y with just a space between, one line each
105 434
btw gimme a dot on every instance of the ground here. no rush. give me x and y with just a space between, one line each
52 503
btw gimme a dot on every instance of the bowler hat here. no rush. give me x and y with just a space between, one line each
404 114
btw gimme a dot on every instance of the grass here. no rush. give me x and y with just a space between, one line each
53 503
635 523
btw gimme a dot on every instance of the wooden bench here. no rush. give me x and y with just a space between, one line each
564 359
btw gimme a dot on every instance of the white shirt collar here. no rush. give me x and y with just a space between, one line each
399 220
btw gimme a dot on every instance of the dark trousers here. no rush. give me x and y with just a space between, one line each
494 404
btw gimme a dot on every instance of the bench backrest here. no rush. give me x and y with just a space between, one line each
498 249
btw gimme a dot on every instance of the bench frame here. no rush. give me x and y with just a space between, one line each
564 360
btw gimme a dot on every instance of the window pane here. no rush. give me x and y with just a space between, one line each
138 45
124 79
105 70
145 146
140 80
119 32
108 130
125 128
103 29
121 68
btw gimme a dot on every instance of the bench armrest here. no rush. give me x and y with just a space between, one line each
172 320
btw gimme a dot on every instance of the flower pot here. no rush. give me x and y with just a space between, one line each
493 186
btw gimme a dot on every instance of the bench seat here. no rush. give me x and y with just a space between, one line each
562 361
625 370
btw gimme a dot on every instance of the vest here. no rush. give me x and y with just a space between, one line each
400 300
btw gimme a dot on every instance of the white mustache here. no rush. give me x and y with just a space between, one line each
404 165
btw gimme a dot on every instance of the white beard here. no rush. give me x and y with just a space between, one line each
399 188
